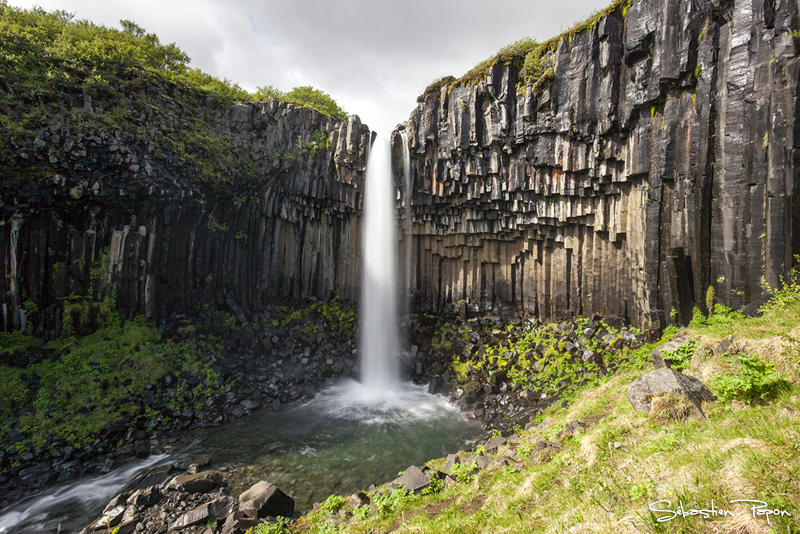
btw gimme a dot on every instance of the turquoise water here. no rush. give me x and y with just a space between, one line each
339 443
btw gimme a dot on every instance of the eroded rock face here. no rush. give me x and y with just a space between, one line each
660 160
114 215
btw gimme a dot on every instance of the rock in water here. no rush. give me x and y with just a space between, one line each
263 499
668 381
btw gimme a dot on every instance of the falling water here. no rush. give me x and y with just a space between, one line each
406 289
380 369
381 398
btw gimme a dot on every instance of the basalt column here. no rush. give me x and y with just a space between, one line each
660 160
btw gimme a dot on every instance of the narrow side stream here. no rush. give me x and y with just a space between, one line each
70 506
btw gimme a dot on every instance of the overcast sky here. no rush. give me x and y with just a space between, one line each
373 56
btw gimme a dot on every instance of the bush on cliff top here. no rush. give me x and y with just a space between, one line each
305 96
526 54
40 48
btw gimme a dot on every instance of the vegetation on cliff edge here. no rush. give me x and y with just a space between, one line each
66 83
527 56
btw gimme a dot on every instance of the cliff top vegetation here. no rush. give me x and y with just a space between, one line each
527 55
42 52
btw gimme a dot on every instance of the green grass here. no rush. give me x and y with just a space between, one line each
96 380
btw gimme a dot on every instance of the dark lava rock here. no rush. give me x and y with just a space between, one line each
264 499
202 482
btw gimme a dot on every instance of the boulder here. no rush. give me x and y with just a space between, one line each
668 381
723 346
238 523
543 444
357 500
110 519
413 480
144 498
221 507
264 499
151 477
201 482
495 444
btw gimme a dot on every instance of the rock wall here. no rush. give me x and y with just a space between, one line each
116 218
660 161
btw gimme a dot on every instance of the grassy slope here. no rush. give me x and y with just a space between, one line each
605 478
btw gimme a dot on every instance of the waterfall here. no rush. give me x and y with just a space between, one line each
407 237
379 343
380 397
18 313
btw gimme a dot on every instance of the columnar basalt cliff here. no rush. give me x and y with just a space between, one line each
103 213
659 159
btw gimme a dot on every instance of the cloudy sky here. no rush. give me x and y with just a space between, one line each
373 56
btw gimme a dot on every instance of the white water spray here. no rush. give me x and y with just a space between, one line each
380 366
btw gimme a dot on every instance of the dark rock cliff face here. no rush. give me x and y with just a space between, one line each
661 160
118 218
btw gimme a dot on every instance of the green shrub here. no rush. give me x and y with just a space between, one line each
680 358
333 504
750 380
281 527
305 96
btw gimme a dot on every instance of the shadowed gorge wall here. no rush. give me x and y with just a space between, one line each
109 213
659 160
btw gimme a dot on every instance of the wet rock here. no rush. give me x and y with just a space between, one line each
264 499
151 477
144 498
110 519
